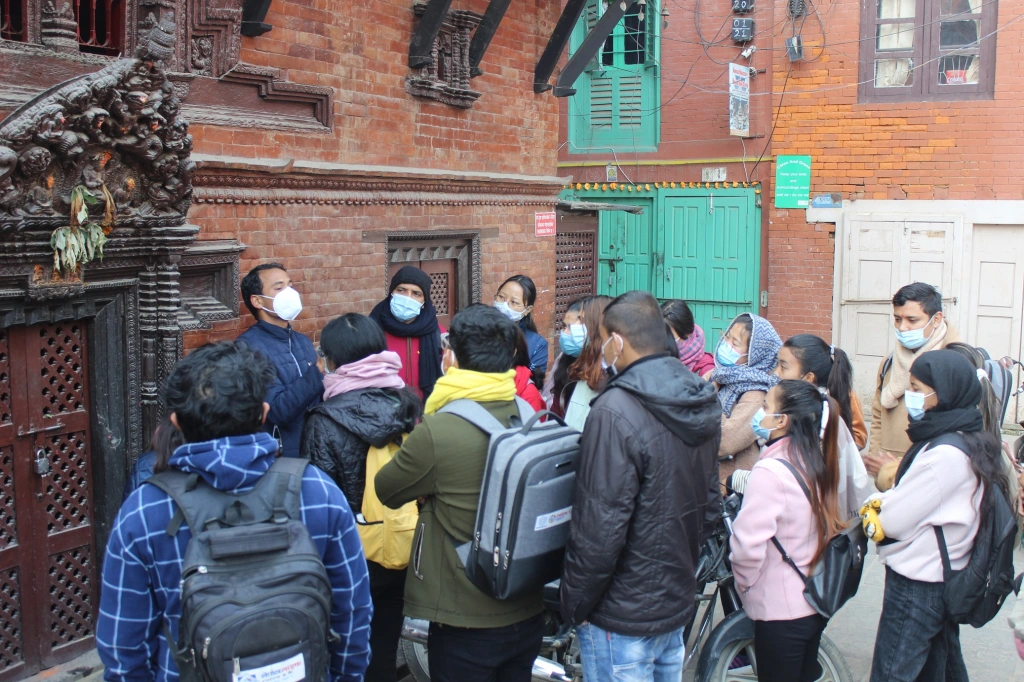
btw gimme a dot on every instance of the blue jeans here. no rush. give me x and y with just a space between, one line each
916 641
610 657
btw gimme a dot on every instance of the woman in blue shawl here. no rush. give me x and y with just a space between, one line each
744 361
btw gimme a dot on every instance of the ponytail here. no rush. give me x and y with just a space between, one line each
814 442
831 368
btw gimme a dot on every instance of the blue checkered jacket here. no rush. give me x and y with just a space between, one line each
142 570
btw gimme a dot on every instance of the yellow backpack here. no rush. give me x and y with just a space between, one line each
386 533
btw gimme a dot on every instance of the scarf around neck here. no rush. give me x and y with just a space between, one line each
955 382
424 327
479 387
902 359
691 350
374 371
756 375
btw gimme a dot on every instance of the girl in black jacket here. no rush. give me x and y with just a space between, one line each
365 404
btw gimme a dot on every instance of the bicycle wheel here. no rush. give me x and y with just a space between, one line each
738 663
416 659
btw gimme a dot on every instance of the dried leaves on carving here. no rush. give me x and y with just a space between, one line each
83 240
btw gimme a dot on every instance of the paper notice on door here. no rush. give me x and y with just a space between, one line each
290 670
555 518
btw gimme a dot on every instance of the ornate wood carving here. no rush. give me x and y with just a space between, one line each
446 76
214 40
58 27
272 88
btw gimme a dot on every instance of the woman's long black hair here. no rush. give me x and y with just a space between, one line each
529 298
560 373
816 456
831 368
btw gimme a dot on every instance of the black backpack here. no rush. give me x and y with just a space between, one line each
974 594
837 577
255 596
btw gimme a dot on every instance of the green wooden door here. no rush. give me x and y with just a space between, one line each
625 252
712 258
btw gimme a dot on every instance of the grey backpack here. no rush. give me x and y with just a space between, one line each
255 597
522 522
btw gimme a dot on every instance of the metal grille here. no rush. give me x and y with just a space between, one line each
574 269
70 596
12 20
67 489
439 291
10 620
60 353
5 377
8 530
100 26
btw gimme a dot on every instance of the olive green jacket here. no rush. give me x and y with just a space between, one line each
443 460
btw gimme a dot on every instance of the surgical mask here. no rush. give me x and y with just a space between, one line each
755 424
505 310
609 366
287 304
915 403
405 308
726 355
572 339
913 338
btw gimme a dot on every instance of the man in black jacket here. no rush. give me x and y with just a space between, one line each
647 476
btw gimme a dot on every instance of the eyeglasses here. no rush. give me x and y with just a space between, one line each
512 303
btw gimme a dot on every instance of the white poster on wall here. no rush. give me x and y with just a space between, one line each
739 100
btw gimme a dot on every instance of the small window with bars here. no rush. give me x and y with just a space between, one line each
917 50
100 26
12 20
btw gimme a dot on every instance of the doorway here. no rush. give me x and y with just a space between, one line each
48 562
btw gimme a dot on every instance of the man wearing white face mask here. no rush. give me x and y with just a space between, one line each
268 294
919 327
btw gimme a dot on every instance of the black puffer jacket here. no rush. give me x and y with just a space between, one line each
646 479
339 432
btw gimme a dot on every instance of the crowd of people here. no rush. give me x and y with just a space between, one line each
667 429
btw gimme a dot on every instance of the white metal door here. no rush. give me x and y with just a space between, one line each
996 298
882 253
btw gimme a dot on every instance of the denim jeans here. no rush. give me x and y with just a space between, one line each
610 657
916 641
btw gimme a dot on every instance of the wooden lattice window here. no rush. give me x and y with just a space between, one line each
575 274
12 20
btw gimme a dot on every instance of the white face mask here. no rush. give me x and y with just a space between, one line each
287 304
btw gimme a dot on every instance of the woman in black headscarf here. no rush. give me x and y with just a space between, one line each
944 487
409 321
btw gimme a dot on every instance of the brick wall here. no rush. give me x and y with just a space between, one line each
922 150
360 49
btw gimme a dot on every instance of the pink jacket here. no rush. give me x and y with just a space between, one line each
774 505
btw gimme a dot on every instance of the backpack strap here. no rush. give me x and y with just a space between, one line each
947 568
807 493
195 501
886 366
479 417
285 474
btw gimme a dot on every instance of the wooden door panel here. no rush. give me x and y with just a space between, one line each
14 556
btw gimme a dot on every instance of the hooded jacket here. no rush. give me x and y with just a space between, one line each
646 480
299 384
339 432
142 570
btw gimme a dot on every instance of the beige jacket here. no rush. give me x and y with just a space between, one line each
889 426
739 444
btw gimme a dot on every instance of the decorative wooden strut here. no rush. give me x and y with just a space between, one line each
118 128
446 76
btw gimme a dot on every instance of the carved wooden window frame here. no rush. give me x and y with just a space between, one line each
209 283
461 246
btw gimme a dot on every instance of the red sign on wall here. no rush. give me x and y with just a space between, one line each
544 224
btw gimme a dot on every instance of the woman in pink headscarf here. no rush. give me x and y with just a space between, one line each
689 337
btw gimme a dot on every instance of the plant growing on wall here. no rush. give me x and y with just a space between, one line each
82 241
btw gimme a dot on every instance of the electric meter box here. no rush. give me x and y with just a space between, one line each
742 30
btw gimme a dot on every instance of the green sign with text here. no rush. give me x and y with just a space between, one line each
792 181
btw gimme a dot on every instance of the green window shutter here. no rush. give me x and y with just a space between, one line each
617 98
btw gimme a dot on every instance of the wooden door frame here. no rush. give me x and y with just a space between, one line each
110 312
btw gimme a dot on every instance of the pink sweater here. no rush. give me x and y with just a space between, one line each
774 505
939 489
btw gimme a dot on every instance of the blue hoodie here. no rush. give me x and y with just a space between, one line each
142 570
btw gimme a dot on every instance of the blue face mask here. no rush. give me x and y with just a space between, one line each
915 404
726 355
755 424
405 308
572 339
913 338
